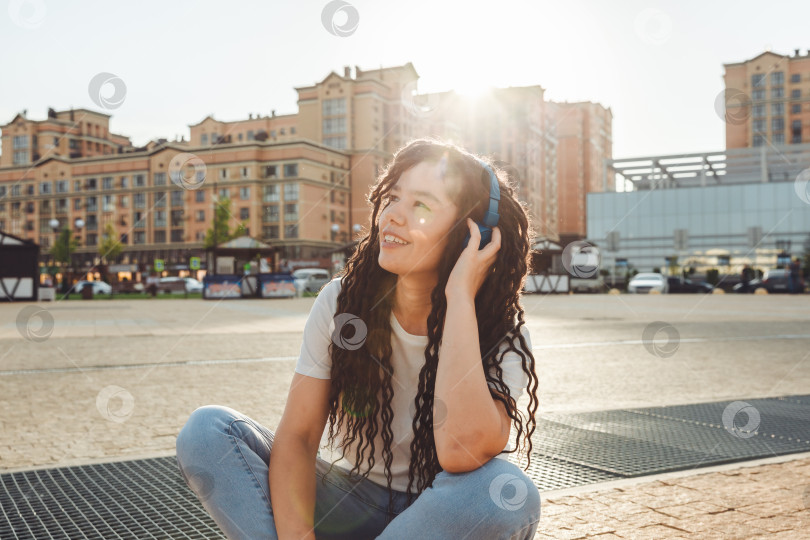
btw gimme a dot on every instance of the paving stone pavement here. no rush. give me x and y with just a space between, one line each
117 379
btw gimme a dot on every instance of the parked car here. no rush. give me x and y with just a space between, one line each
774 281
592 285
193 285
648 281
99 287
310 279
683 285
173 284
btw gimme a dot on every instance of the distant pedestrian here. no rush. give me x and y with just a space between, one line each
747 276
794 276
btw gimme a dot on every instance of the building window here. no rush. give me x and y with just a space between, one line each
758 80
224 193
29 189
777 78
244 172
271 213
177 235
244 213
795 93
777 109
244 193
239 137
160 218
759 140
91 240
107 182
338 143
15 190
200 215
108 203
204 139
291 231
20 157
292 130
160 179
90 184
778 138
139 237
139 200
177 218
334 125
291 212
334 107
777 124
124 182
77 204
124 239
124 201
177 198
223 173
290 192
140 180
20 142
92 204
282 131
291 170
758 95
759 125
250 135
61 186
777 93
271 193
794 78
199 196
160 199
270 231
45 188
795 108
272 133
160 237
270 171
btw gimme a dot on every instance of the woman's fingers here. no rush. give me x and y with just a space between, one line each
491 249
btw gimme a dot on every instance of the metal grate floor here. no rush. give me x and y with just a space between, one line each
148 498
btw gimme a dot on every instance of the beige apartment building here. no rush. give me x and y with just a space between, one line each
768 100
297 181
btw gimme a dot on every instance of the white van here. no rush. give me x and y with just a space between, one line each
310 279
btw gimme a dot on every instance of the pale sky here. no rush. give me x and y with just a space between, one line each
657 64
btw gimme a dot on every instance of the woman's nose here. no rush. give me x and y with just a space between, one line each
394 215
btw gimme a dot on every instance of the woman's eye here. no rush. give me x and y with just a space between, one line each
420 204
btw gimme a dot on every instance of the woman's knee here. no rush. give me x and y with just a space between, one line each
203 424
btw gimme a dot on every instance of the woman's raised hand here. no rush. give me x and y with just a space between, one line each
473 265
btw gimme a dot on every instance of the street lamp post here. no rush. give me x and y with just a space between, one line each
54 223
78 223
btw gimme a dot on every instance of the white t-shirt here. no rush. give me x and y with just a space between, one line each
407 359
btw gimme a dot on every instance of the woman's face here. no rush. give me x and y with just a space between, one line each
415 223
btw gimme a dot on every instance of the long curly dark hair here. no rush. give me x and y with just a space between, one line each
361 390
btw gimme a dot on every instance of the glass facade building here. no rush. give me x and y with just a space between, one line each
722 226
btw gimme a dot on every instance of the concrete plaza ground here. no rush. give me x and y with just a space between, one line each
116 379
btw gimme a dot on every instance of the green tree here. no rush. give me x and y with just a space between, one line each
220 230
65 245
110 247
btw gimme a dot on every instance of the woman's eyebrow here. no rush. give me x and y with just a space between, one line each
424 194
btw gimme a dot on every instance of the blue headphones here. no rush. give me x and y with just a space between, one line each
491 217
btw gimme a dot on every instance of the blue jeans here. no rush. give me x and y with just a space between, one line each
224 458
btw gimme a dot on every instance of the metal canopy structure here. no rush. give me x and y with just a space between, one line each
735 166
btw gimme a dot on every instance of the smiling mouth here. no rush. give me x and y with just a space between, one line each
394 239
